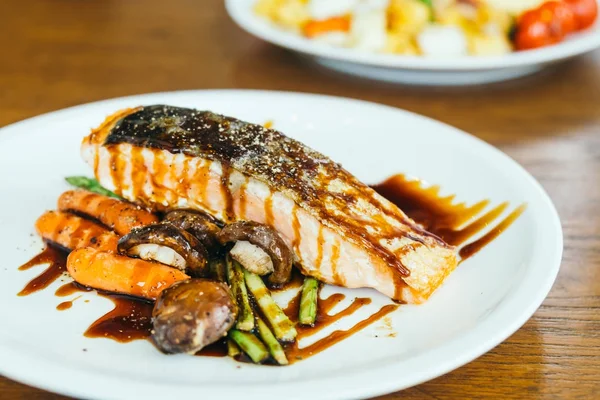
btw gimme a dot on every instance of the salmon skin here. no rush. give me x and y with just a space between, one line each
342 232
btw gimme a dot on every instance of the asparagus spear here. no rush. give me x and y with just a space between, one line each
272 344
218 269
232 348
235 276
308 301
90 184
282 326
250 344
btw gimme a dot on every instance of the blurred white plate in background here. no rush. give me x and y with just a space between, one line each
417 70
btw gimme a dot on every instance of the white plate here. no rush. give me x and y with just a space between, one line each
414 69
484 301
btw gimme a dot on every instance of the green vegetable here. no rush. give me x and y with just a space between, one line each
282 326
90 184
218 269
232 348
250 345
235 276
272 344
428 3
308 301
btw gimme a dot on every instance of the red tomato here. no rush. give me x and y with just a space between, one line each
585 12
562 14
538 28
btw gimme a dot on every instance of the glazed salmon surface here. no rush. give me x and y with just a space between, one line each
342 232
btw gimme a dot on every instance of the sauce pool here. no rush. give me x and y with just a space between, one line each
50 255
130 319
455 223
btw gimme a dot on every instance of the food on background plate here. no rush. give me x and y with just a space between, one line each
198 217
439 28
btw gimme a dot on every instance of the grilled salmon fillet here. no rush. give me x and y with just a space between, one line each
342 232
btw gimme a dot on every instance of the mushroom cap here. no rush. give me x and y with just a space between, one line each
268 240
180 241
191 314
204 227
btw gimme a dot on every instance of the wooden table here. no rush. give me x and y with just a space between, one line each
61 53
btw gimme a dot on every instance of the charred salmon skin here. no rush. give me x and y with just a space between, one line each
342 232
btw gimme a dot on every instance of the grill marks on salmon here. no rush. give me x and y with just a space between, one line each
342 232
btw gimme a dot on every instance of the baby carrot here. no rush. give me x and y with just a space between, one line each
121 274
73 232
117 215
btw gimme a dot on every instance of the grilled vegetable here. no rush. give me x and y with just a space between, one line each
118 215
90 184
166 244
115 273
268 240
250 344
192 314
308 301
282 326
233 349
235 276
218 269
272 344
72 232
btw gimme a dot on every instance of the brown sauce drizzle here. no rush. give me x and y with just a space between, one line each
296 354
226 192
117 169
324 319
296 281
65 305
335 256
96 161
217 349
296 226
159 173
201 179
320 242
242 198
443 217
472 248
269 210
138 172
183 179
57 260
129 320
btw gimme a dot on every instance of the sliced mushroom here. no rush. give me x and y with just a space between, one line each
192 314
252 257
199 224
268 240
166 244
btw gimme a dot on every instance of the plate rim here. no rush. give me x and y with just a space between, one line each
22 372
581 43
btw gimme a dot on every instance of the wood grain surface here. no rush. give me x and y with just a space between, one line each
62 53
